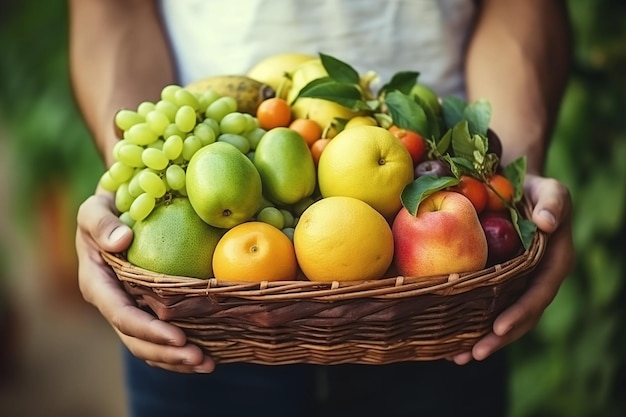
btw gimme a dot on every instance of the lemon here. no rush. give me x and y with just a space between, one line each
361 121
273 70
173 240
343 239
368 163
223 185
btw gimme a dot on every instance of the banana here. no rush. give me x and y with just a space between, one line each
248 92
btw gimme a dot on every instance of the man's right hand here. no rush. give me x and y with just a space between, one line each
159 343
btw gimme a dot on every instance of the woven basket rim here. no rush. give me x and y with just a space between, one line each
392 287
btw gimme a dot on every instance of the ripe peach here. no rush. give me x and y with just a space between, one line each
443 238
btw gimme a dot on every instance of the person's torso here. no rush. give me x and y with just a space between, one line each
229 37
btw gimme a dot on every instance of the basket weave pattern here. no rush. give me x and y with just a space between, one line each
381 321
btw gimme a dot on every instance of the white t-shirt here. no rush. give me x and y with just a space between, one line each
229 36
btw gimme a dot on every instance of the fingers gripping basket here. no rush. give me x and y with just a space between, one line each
382 321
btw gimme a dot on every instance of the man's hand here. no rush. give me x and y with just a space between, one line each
552 211
158 343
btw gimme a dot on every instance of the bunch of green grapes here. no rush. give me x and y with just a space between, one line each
159 139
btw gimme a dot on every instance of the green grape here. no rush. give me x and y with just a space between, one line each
213 124
123 198
145 107
172 147
125 119
252 122
116 149
288 231
173 130
264 203
154 159
273 216
180 160
235 123
184 97
191 145
134 189
206 98
221 107
108 183
185 118
120 172
254 136
169 92
157 144
250 155
126 219
175 176
141 207
141 134
204 133
238 141
151 183
290 221
168 108
130 155
157 121
183 191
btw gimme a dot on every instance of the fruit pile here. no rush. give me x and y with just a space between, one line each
297 170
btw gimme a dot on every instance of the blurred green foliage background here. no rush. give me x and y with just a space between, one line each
573 364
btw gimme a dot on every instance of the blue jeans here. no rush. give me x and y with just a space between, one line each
430 389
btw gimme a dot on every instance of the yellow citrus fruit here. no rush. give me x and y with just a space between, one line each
173 240
361 121
343 239
253 252
272 70
368 163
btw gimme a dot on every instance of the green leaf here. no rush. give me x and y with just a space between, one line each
462 141
478 115
525 228
415 192
339 70
460 165
444 143
452 109
516 172
326 88
402 81
407 114
431 117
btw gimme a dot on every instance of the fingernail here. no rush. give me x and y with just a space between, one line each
547 216
202 371
117 234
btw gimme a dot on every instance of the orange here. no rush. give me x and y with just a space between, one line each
475 190
499 188
309 129
343 239
317 147
254 252
273 112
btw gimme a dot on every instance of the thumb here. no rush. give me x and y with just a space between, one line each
97 218
551 202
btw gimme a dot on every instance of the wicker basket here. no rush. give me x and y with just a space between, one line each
381 321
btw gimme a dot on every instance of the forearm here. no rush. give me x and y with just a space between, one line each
119 57
518 59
